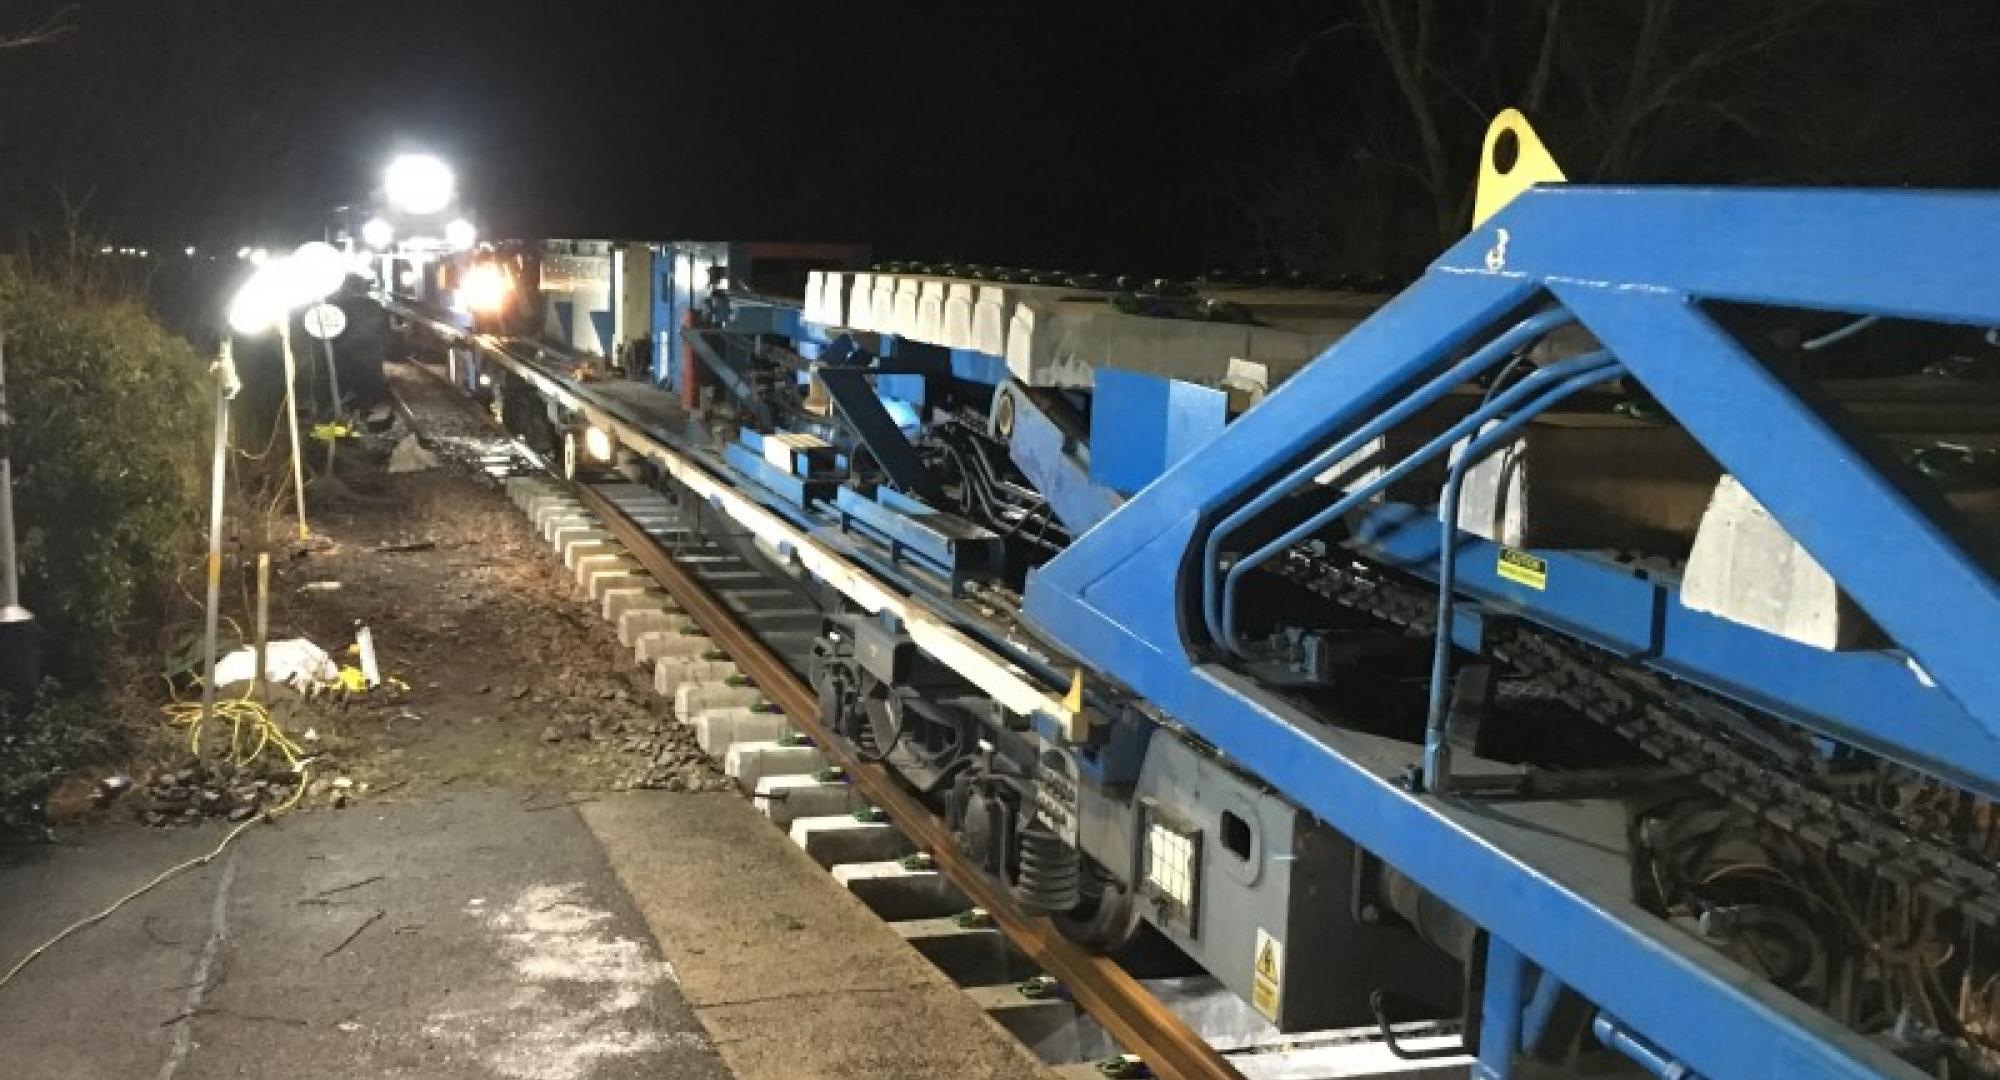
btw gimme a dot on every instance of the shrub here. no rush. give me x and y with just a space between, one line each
109 439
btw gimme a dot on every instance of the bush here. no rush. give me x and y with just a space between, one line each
110 442
110 436
54 735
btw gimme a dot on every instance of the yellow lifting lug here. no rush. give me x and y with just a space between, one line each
1512 160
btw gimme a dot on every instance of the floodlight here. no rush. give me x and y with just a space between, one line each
314 270
378 234
419 184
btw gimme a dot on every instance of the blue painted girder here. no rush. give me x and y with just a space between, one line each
1632 265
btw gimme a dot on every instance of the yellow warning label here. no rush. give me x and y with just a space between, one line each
1267 975
1524 569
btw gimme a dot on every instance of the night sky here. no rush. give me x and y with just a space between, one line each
1100 136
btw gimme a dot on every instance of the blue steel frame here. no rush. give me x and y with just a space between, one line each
1633 266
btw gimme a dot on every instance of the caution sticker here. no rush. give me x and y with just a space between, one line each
1267 975
1524 569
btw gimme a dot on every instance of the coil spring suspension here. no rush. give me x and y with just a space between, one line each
1050 877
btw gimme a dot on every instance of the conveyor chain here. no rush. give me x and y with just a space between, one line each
1650 712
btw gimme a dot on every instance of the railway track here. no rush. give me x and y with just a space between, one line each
654 573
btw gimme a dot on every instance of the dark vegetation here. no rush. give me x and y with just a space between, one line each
109 440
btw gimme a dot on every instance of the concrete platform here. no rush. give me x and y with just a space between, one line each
790 976
459 940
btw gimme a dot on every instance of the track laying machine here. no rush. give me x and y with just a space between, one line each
1597 639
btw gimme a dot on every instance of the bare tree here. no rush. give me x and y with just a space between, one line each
1623 91
60 22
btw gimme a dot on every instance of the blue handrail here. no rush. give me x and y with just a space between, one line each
1437 742
1527 330
1501 402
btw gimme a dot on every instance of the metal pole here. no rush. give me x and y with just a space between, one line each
292 419
225 388
263 618
333 383
10 572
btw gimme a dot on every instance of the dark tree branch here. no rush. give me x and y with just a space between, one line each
56 25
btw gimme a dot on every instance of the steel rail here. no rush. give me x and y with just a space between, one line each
997 676
1133 1016
1127 1010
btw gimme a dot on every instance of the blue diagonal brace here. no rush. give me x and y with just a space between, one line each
1893 558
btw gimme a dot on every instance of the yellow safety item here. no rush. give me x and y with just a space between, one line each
1512 161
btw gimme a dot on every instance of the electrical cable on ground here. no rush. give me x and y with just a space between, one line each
267 734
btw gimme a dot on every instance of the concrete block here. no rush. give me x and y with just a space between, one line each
969 956
613 577
1746 568
639 620
992 311
543 510
716 730
571 537
930 310
1031 1020
882 304
785 799
1591 481
670 672
815 289
1063 341
551 524
576 553
654 645
535 506
903 320
748 762
521 489
959 299
839 838
859 307
894 891
589 564
833 299
643 597
693 697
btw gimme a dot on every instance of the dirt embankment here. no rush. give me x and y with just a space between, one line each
497 672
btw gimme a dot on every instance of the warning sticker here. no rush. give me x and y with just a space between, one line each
1524 569
1267 975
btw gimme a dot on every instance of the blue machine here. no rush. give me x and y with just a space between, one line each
1339 737
1141 597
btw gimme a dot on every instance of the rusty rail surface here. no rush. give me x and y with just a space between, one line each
1106 991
